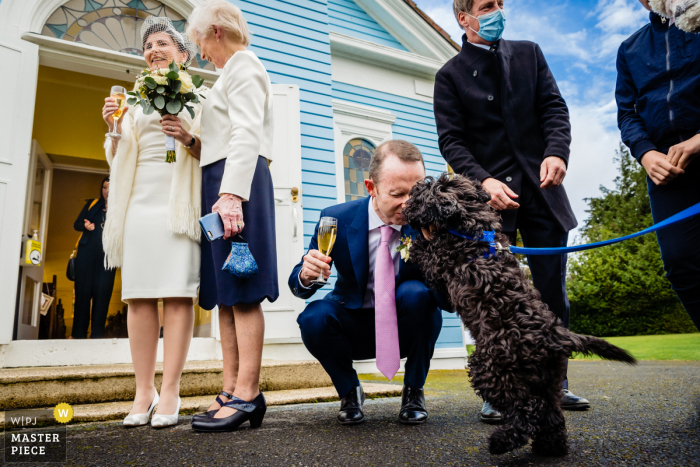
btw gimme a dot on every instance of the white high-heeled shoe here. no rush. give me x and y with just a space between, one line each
141 419
162 421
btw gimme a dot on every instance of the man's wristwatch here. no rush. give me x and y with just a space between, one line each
191 143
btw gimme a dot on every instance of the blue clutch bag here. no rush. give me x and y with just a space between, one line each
240 261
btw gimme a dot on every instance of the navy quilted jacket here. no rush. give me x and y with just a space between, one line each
658 87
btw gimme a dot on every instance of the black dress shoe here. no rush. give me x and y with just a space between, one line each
253 411
211 413
570 401
413 406
351 407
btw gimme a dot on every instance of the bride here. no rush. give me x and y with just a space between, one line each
152 233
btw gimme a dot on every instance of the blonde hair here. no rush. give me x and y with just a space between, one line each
218 13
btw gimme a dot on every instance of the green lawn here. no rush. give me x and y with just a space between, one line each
660 347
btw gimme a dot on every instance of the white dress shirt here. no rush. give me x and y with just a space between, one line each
374 235
237 122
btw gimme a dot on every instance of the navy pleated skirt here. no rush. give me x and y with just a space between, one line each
219 287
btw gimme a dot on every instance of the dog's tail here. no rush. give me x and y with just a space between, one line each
589 345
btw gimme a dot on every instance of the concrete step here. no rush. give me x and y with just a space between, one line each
190 405
91 384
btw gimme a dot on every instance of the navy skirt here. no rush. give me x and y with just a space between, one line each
218 287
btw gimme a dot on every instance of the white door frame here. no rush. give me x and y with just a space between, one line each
35 273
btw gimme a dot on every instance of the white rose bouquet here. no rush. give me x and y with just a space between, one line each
169 91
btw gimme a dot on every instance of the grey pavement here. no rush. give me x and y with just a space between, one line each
644 415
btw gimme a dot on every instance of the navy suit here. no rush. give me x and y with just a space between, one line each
336 330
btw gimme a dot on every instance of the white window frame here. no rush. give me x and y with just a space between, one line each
350 121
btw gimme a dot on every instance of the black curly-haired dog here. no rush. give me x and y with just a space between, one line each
521 347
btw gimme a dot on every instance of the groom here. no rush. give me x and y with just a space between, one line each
380 306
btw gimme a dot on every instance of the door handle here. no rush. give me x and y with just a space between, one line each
295 194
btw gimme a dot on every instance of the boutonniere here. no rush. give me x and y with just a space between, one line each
404 248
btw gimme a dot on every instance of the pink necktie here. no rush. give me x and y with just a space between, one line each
386 323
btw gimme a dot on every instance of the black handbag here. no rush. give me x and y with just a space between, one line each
70 269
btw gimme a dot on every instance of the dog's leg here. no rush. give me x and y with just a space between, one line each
516 428
550 438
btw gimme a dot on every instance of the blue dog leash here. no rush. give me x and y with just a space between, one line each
489 236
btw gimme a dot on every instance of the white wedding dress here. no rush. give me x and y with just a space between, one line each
156 263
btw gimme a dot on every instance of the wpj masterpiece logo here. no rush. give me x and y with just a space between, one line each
37 435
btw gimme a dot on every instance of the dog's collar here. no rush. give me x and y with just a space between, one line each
488 236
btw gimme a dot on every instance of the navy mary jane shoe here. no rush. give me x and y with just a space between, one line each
253 411
211 413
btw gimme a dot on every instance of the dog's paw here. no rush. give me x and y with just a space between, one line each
549 449
501 445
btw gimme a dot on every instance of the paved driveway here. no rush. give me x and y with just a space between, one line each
644 415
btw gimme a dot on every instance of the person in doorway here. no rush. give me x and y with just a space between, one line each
93 282
152 230
380 305
658 102
501 121
237 184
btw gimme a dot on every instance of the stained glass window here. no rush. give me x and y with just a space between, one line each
111 24
356 156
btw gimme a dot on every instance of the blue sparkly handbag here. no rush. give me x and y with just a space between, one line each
240 261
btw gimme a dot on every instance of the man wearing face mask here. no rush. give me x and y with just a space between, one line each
501 121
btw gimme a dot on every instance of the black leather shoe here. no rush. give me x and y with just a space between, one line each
253 411
351 407
490 415
569 401
413 406
211 413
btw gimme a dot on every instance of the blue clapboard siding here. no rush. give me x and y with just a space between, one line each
346 17
415 122
291 38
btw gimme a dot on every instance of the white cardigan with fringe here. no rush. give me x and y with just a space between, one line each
185 189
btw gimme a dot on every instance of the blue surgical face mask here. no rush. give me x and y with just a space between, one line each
491 25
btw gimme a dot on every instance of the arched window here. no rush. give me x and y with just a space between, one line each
111 24
356 156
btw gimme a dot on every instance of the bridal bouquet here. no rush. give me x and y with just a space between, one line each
167 90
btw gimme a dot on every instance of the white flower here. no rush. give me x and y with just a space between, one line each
404 254
187 84
162 80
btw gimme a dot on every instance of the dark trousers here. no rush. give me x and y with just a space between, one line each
680 243
539 229
336 335
92 284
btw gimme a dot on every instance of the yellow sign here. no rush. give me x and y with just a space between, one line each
33 253
63 413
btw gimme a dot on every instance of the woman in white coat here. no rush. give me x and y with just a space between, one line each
152 231
236 183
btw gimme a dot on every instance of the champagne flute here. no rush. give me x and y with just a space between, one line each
327 233
118 93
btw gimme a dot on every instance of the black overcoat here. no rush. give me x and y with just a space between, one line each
499 114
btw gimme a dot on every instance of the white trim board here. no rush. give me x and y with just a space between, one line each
384 56
92 60
351 70
409 28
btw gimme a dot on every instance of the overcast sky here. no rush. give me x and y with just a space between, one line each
579 39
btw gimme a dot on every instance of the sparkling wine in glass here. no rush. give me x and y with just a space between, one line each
118 93
327 233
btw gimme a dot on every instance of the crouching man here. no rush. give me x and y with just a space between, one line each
380 306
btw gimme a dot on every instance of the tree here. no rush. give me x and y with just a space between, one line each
621 290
